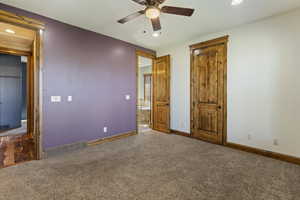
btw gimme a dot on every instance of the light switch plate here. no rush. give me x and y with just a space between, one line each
24 59
55 99
70 98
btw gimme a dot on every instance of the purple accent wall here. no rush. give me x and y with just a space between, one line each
97 70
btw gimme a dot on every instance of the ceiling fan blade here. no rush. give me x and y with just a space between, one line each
156 24
141 2
177 11
131 17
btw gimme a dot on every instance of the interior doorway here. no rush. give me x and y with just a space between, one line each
144 92
20 91
153 92
209 90
13 94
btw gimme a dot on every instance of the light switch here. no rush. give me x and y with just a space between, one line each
127 97
55 99
24 59
70 98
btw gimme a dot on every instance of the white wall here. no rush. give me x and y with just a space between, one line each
263 83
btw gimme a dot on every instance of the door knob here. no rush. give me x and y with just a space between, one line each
219 107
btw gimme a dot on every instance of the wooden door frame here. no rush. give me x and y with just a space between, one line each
151 56
209 43
36 60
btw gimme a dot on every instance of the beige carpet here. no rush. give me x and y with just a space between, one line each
153 166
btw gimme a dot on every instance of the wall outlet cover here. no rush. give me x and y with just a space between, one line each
127 97
249 136
105 129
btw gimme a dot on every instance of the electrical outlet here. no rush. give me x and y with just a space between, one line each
249 136
127 97
105 129
182 125
275 142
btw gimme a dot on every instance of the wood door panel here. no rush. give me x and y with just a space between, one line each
208 72
161 94
162 82
208 77
208 121
162 116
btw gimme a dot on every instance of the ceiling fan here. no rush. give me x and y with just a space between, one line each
153 11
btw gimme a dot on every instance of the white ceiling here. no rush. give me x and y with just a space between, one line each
101 16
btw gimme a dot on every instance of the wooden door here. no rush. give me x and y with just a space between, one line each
161 94
208 80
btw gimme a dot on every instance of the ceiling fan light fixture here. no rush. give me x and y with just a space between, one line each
152 12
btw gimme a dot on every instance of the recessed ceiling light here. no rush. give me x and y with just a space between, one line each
10 31
156 34
236 2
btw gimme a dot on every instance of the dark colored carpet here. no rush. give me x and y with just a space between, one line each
153 166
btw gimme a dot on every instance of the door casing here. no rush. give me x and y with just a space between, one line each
154 59
35 60
210 43
152 56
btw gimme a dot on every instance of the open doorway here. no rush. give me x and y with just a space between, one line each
144 91
144 104
20 92
153 92
13 94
